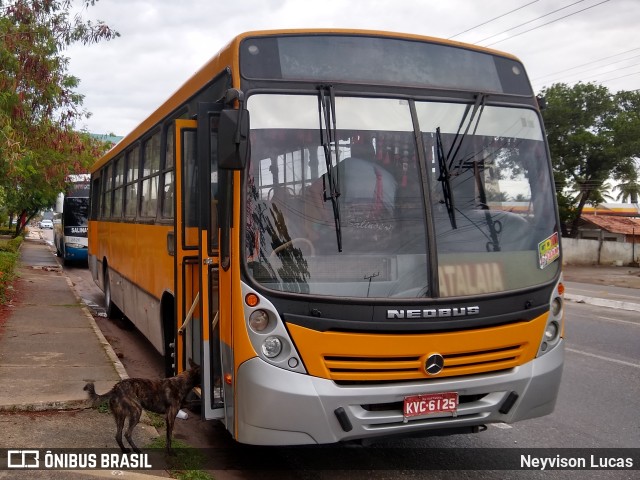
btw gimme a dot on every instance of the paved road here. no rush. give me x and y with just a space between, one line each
600 395
597 407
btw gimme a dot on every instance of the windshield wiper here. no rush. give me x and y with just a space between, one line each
444 178
446 162
458 140
329 142
494 227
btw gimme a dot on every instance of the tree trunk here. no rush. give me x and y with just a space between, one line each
24 219
576 220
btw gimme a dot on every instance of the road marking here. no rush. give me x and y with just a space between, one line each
503 426
617 320
608 359
608 319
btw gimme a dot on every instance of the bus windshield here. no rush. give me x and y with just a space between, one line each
477 178
76 214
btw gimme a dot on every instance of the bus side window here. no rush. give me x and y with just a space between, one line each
107 186
151 176
168 181
118 187
95 198
131 189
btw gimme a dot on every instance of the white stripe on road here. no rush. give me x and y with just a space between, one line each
608 359
502 426
617 320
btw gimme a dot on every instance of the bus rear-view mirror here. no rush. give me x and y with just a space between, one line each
233 139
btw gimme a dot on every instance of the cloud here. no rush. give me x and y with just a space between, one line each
163 42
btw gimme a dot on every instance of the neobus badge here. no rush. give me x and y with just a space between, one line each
434 312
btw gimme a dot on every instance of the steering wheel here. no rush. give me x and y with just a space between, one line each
292 242
289 192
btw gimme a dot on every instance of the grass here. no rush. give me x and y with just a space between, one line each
103 407
156 419
8 260
187 462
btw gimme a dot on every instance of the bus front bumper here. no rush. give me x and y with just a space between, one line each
279 407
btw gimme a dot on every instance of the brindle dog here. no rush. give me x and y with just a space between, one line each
128 397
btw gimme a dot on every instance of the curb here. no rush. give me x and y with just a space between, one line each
603 302
45 406
117 364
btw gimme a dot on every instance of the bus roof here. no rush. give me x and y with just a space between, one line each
228 57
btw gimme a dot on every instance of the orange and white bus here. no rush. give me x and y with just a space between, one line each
323 219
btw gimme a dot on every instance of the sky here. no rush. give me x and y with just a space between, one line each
163 42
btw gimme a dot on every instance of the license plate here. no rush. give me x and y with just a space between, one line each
427 404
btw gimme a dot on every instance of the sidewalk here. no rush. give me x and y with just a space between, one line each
50 347
604 286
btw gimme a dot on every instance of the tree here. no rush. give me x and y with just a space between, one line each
629 192
627 136
593 136
39 147
629 189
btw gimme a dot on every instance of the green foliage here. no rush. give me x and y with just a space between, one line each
629 190
8 261
103 407
38 102
186 464
6 231
594 136
157 420
11 245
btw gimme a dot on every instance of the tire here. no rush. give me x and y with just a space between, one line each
113 311
65 261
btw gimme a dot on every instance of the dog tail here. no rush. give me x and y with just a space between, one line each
93 396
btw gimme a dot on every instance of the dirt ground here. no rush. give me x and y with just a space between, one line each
628 277
140 359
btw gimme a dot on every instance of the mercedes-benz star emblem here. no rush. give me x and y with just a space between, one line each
434 364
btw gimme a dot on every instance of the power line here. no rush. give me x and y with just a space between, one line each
621 76
489 21
600 67
548 23
530 21
589 63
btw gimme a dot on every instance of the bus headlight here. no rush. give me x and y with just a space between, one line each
554 328
268 334
259 320
551 332
271 347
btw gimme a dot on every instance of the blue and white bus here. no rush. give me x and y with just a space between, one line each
70 224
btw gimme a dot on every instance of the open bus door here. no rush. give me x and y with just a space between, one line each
197 259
